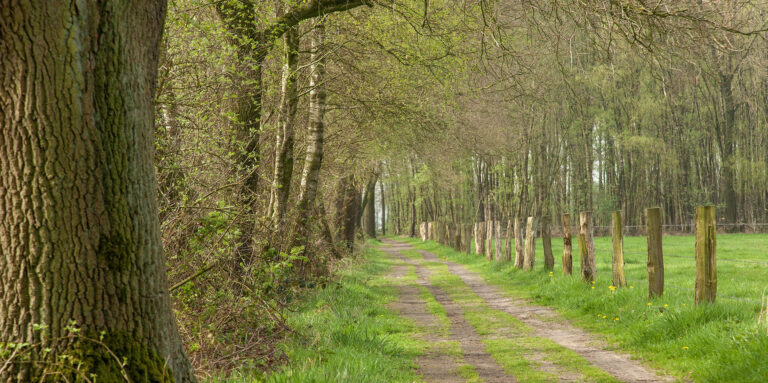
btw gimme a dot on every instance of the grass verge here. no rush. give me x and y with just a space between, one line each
709 343
346 333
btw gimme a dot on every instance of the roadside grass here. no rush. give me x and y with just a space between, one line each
707 343
345 332
507 339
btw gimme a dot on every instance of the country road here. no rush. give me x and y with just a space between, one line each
499 338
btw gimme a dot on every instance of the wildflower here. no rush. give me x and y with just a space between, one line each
683 304
617 318
612 288
685 347
593 282
666 305
631 287
593 287
649 303
604 317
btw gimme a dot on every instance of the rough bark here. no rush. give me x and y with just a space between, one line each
79 227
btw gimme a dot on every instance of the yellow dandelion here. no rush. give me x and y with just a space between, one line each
649 303
593 287
631 287
685 347
604 317
617 318
593 282
666 305
683 304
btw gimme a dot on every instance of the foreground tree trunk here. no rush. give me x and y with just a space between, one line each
79 227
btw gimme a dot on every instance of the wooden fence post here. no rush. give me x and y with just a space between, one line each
706 250
519 246
586 247
655 253
530 244
510 243
567 247
546 242
619 280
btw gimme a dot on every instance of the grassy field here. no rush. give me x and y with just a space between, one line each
710 343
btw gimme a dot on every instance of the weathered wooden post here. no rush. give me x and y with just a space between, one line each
655 253
586 247
618 250
706 249
519 246
530 244
489 240
430 231
423 231
510 243
567 247
497 239
546 242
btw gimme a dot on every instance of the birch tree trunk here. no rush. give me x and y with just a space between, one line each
281 185
530 244
315 132
79 232
519 245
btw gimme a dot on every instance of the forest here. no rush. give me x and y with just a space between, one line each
381 190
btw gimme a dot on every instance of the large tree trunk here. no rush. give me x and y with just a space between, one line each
79 227
281 185
314 158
